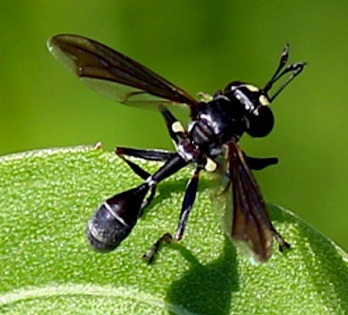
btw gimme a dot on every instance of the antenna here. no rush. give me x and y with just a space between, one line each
295 68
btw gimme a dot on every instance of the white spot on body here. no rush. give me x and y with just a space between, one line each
252 88
177 127
210 166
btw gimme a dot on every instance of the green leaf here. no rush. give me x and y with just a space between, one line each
46 266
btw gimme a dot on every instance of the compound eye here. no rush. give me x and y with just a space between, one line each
261 121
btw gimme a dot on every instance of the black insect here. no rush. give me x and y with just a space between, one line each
209 143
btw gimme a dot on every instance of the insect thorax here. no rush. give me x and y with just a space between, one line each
218 122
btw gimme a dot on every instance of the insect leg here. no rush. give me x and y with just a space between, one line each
189 199
190 195
279 239
149 256
175 128
255 164
174 164
259 163
150 155
144 175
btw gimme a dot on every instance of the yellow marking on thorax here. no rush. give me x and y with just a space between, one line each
177 127
252 88
210 166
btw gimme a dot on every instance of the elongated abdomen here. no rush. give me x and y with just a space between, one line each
115 219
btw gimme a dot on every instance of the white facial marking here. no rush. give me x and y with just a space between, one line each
263 100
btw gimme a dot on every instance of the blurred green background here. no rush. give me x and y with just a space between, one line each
200 46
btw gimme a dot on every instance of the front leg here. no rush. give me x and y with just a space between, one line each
259 163
174 126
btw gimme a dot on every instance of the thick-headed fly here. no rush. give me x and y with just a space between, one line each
209 143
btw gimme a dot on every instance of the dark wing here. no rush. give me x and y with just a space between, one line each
113 74
250 226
